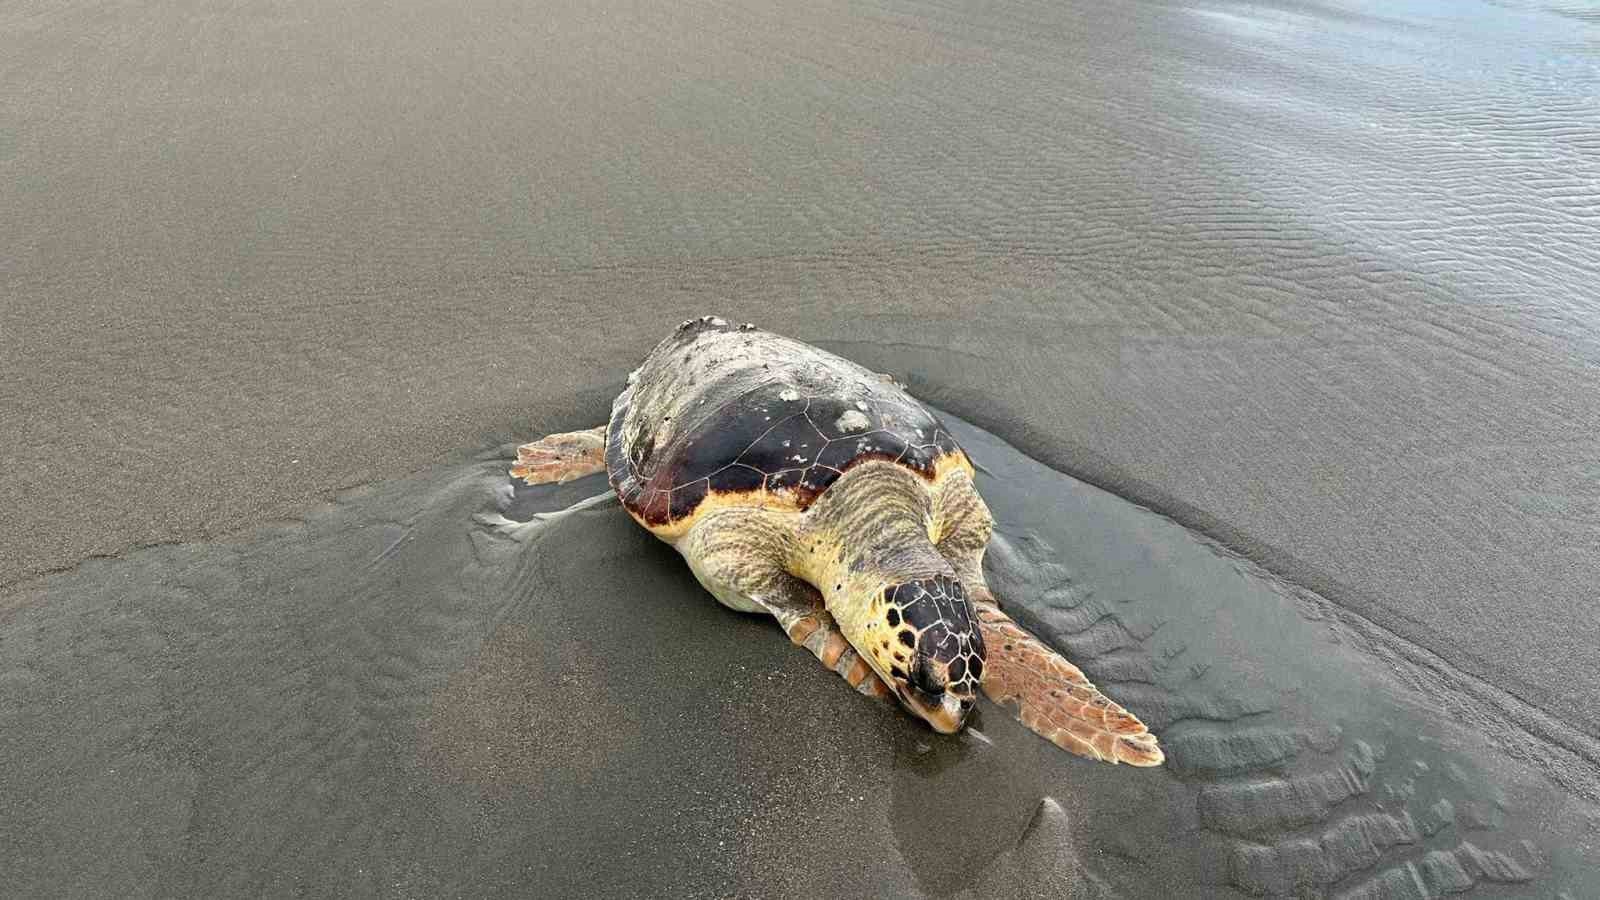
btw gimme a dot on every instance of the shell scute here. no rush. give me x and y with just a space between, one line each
723 409
685 497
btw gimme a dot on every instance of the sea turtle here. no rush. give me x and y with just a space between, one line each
799 484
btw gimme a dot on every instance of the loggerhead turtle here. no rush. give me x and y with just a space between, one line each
799 484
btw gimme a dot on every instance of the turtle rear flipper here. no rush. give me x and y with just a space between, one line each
1053 698
559 458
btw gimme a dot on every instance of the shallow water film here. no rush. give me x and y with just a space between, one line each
442 685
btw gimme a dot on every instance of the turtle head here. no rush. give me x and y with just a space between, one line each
933 654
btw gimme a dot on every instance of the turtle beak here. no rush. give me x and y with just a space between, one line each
945 714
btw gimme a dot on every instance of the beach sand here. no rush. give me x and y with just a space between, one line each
1313 282
442 685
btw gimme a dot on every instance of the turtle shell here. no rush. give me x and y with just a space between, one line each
722 409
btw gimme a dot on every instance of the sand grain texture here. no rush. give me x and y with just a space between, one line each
1316 280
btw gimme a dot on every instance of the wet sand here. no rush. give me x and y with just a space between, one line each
440 685
1315 281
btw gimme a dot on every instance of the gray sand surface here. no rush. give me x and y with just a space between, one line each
408 693
1315 280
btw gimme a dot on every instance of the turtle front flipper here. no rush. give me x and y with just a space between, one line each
737 554
808 624
1052 697
559 458
1036 684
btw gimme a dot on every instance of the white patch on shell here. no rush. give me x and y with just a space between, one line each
861 405
851 420
789 395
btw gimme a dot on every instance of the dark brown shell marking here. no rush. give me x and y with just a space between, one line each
720 408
